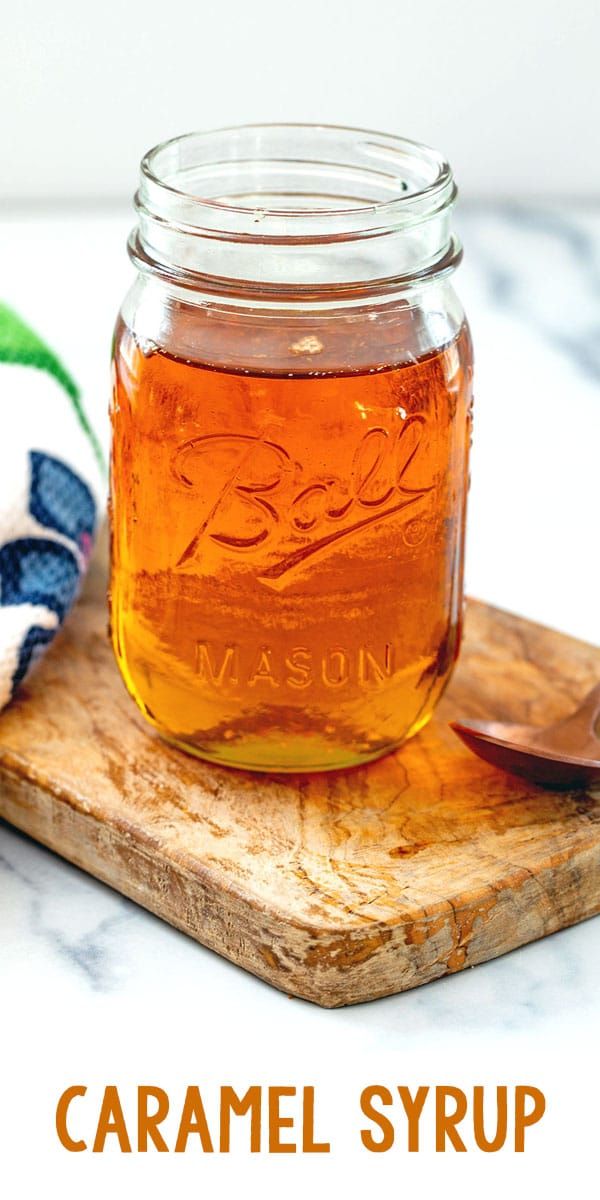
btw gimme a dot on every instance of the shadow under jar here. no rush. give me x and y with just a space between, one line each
291 425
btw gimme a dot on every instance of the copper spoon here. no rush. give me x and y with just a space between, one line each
563 755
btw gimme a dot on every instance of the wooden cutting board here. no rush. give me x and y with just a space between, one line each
335 887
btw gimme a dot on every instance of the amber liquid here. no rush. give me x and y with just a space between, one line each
287 542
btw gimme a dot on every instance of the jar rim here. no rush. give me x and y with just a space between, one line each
409 202
294 206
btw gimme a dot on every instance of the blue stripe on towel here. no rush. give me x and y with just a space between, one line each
59 499
31 647
38 571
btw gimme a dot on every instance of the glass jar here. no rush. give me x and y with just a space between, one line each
291 424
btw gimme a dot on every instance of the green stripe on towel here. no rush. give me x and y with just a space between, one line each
19 344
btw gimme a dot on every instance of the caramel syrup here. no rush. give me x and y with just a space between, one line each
287 539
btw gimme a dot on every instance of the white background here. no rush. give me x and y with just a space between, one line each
508 90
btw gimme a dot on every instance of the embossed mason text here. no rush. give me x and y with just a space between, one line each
261 666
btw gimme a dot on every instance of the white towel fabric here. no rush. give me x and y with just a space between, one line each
51 494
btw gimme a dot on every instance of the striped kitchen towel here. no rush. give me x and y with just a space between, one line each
51 493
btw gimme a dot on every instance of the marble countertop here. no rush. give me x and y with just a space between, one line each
101 989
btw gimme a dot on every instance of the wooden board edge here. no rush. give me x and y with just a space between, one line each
474 605
328 968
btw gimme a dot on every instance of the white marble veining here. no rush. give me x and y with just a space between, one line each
94 987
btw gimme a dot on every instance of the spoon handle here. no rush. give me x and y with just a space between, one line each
590 709
576 733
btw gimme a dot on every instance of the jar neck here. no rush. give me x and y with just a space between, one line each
339 337
294 211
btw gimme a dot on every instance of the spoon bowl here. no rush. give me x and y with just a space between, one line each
563 755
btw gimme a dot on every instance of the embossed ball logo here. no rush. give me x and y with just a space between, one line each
256 496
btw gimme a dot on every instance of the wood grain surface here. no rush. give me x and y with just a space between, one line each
336 887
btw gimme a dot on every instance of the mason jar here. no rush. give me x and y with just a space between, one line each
290 434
